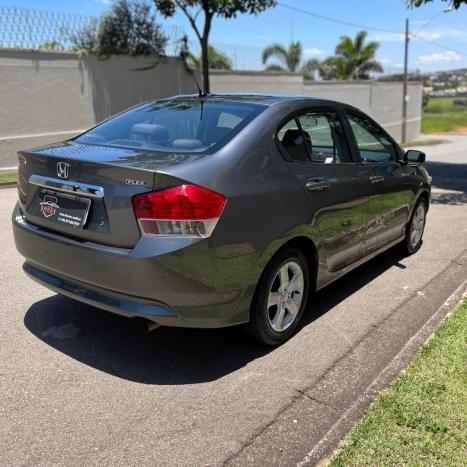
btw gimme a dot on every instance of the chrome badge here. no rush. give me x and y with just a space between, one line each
63 169
130 181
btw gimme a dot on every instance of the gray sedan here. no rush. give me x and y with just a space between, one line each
217 210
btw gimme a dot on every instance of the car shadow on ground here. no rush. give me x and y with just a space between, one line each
452 179
117 346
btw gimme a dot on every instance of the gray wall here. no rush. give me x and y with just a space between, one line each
49 96
381 100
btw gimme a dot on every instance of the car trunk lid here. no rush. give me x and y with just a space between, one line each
84 191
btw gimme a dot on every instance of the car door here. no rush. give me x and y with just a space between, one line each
315 146
391 195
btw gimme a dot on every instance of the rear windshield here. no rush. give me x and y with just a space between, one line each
176 125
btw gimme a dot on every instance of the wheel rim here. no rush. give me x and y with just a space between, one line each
285 296
418 223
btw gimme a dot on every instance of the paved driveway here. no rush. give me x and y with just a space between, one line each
79 386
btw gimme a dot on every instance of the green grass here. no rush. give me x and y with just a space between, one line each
424 142
7 177
422 417
444 114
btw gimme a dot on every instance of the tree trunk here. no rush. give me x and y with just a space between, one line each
204 41
205 64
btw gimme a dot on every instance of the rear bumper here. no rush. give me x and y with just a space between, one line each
171 282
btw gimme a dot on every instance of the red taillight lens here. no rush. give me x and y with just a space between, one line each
186 210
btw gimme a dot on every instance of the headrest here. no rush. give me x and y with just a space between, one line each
154 131
187 143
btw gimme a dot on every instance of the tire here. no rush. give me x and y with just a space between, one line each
414 238
274 324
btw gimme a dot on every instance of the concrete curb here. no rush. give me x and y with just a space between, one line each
8 185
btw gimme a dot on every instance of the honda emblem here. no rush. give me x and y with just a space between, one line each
63 169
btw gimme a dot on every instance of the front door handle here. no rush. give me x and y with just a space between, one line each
317 184
376 179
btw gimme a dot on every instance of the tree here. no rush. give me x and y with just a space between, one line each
452 3
129 28
210 8
216 60
353 59
290 57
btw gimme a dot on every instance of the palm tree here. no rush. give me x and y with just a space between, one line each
216 60
353 59
290 57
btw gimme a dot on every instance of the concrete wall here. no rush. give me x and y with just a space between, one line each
46 97
49 96
381 100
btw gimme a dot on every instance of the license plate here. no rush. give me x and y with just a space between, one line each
61 208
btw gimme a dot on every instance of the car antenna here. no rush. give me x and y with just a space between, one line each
190 70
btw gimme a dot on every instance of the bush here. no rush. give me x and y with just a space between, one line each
129 28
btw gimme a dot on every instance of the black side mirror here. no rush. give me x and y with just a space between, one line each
414 157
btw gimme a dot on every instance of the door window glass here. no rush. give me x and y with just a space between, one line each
325 137
373 144
292 141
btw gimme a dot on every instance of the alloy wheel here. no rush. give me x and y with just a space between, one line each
418 223
285 296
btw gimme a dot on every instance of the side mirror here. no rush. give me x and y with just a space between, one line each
414 157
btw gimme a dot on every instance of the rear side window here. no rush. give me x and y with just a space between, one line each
291 138
324 132
175 125
315 137
374 146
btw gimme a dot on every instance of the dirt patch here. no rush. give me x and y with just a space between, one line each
458 131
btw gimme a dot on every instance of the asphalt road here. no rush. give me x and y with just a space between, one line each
79 386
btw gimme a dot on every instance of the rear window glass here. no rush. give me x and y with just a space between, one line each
176 125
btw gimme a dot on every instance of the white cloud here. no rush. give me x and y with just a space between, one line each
448 56
313 51
385 61
425 34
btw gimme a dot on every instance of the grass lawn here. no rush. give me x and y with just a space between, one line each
421 419
444 114
424 142
7 177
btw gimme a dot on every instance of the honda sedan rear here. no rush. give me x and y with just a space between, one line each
216 211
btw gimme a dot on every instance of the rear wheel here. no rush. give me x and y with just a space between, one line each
280 298
415 228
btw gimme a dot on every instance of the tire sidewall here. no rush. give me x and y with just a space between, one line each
408 244
259 312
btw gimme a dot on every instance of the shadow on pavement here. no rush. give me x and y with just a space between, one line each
449 177
116 345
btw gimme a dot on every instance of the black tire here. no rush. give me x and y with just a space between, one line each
409 247
260 327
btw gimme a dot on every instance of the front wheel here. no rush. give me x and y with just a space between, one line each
280 298
415 228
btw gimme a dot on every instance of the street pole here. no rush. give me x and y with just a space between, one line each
405 96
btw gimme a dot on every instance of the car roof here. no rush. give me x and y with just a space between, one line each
263 99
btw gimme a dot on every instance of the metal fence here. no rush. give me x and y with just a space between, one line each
25 28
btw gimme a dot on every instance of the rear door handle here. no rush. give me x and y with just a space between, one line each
317 184
376 179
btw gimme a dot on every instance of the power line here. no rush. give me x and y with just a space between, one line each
441 46
370 28
338 21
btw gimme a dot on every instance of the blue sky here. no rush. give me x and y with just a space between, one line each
244 37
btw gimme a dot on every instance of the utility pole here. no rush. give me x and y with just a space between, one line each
405 96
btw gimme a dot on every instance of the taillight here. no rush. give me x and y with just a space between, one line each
184 211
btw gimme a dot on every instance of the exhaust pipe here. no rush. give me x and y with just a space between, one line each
149 326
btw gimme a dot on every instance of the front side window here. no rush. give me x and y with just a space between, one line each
175 125
374 146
